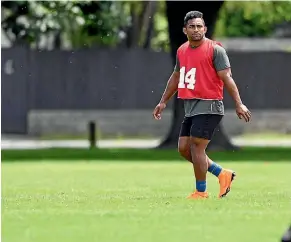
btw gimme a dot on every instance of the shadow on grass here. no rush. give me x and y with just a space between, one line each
69 154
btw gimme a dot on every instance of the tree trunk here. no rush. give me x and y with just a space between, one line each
149 23
176 12
134 32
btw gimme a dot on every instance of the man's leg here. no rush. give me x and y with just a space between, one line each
184 148
214 168
203 127
225 176
185 151
200 165
184 139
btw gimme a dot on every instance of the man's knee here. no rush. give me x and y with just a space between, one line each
184 146
199 144
198 147
184 149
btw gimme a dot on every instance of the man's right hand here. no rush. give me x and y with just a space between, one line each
243 112
158 111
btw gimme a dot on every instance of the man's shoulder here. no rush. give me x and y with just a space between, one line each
217 46
214 42
217 43
183 46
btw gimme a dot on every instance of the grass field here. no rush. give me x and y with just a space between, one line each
141 201
253 135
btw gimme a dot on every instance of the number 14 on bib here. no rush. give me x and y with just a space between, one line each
187 80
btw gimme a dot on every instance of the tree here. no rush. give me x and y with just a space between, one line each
55 24
252 19
176 12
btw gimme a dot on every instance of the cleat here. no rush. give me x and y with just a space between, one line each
225 180
198 195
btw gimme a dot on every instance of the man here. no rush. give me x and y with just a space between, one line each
201 71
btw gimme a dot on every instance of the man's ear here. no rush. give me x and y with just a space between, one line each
184 31
205 30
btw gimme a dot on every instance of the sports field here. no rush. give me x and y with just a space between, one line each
144 201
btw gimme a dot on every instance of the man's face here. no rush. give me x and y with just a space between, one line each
195 29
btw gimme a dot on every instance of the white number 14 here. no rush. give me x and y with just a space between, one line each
189 78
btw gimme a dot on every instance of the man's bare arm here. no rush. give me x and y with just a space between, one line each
170 90
226 77
241 110
171 87
222 65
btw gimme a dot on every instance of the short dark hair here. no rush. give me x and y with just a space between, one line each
191 15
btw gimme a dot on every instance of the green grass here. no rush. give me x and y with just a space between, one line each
98 136
266 136
254 135
245 153
141 201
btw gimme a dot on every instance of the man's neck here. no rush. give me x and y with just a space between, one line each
195 44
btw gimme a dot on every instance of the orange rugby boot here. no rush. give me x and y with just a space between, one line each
198 195
225 179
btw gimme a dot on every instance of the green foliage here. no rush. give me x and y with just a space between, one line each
251 19
160 40
38 19
102 27
79 24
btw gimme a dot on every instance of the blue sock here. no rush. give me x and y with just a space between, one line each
215 169
201 186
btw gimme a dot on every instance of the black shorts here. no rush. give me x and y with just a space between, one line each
200 126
